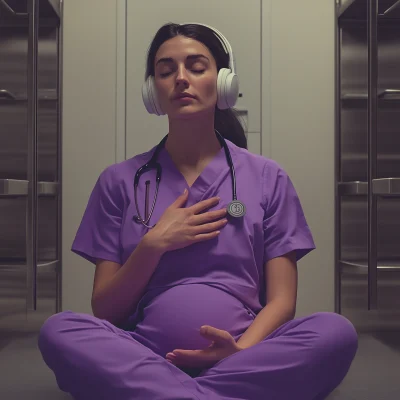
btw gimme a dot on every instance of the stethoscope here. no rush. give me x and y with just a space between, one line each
235 208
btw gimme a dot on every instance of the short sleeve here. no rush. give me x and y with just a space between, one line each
285 226
98 235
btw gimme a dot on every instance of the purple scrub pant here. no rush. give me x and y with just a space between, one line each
304 359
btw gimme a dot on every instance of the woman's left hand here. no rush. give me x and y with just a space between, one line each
223 345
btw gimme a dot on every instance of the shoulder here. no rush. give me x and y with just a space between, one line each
124 171
274 182
266 166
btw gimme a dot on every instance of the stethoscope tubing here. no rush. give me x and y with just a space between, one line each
152 163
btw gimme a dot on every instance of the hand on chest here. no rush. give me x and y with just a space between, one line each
215 180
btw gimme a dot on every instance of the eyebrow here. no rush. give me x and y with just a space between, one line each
191 57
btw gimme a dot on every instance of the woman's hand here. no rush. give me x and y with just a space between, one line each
222 345
179 227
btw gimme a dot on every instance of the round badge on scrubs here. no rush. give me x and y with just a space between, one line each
236 209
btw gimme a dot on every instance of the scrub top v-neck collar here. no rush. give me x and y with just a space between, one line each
208 176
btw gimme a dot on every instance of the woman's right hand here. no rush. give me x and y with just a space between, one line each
180 227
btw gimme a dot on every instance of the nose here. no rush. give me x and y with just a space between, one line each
182 77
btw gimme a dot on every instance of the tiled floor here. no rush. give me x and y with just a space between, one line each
374 375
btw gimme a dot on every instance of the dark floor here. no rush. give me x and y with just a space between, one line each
374 375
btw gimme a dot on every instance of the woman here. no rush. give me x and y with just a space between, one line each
201 305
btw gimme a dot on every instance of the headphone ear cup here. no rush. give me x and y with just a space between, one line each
149 96
227 92
227 89
146 98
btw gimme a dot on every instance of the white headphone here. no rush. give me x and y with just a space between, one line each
227 83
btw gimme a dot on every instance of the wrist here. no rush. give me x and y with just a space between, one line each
153 243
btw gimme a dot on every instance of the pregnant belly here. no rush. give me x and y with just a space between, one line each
173 319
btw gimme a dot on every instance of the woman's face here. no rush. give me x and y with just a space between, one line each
185 65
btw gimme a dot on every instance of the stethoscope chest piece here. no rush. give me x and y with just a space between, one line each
236 209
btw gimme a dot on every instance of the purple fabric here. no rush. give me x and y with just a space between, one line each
304 359
274 224
219 283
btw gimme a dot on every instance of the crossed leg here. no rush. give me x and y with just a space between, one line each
93 359
305 359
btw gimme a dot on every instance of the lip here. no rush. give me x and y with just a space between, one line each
183 96
186 99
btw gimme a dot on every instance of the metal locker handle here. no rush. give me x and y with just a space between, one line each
387 92
6 94
386 186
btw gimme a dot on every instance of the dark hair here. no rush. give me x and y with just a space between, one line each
226 121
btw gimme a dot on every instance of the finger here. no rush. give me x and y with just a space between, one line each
208 228
216 335
193 358
181 200
205 236
203 205
210 216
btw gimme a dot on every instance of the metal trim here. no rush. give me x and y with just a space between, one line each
337 238
372 151
11 11
391 8
55 5
47 266
362 266
342 8
32 201
59 158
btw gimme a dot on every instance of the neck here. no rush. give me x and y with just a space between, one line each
191 143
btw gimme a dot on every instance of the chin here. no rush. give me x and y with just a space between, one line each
190 112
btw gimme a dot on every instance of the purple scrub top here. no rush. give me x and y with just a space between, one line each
233 262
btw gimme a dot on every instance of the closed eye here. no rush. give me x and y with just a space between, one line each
165 74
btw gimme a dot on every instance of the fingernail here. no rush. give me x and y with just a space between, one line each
185 191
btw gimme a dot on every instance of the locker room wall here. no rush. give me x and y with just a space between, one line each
298 127
88 127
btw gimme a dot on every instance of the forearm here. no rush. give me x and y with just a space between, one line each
120 296
271 317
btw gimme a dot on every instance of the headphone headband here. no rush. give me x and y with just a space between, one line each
223 40
227 81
